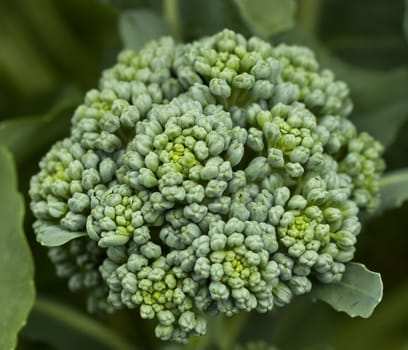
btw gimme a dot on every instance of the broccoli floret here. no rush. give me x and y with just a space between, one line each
220 176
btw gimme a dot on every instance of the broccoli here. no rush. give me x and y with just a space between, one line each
215 177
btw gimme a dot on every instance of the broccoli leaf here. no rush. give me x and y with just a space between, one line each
16 49
155 5
376 42
386 329
268 17
140 26
379 109
54 236
375 121
16 276
313 323
358 293
405 22
394 189
56 324
198 18
21 135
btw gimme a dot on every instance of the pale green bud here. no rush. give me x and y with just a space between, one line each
275 214
239 211
136 262
109 122
257 168
90 178
107 169
74 170
275 158
151 250
202 267
73 222
60 188
254 243
215 188
166 318
220 205
195 212
271 271
300 285
220 87
215 142
344 239
297 202
90 160
187 321
219 291
112 240
255 139
281 194
243 81
283 294
164 332
297 249
294 170
146 311
57 209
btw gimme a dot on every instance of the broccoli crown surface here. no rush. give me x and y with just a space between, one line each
219 176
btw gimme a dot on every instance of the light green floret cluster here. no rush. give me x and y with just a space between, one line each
221 176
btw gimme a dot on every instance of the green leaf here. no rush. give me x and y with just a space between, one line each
66 329
16 265
26 136
392 116
17 47
133 4
405 23
394 189
357 294
137 27
385 329
313 323
198 18
380 102
50 26
373 41
54 236
268 17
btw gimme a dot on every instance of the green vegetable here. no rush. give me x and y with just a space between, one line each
17 275
221 176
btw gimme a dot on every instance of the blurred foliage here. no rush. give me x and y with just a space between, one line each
149 24
16 279
46 45
52 51
66 328
257 13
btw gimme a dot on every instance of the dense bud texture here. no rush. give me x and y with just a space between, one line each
221 176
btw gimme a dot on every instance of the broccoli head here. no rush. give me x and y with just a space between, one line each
219 176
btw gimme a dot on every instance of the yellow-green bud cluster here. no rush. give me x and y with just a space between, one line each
220 176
